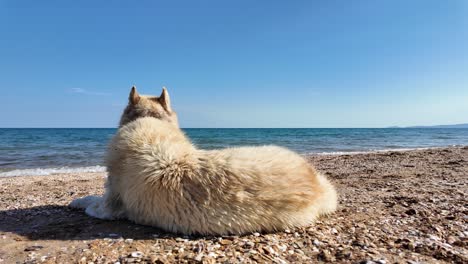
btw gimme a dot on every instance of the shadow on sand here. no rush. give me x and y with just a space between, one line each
53 222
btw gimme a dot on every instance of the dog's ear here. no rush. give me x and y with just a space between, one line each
164 100
134 97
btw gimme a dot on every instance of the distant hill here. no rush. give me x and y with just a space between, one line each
438 126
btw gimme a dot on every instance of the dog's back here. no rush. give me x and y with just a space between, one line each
164 181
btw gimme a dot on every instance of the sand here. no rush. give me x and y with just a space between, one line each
403 207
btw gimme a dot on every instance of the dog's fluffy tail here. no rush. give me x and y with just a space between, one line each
329 199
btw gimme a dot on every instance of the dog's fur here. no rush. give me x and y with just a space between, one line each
157 177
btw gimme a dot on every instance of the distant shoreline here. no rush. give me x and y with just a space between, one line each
435 126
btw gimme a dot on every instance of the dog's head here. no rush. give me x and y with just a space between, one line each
148 106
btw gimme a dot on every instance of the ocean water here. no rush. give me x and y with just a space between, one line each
46 151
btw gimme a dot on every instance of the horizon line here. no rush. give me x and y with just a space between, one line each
386 127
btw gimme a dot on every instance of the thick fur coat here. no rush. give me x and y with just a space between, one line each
158 178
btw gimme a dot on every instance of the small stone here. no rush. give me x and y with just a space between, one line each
209 260
199 257
136 254
299 251
316 242
446 245
282 248
366 262
128 240
325 255
280 261
270 250
225 242
410 211
451 240
256 234
33 248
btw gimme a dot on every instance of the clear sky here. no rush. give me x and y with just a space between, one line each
236 63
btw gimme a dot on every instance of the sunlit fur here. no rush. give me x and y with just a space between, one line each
158 178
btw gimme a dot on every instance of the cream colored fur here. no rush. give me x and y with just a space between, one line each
158 178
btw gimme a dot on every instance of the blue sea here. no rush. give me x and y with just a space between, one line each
47 151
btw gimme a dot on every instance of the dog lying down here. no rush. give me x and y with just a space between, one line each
158 178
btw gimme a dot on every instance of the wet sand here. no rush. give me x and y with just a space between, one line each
403 207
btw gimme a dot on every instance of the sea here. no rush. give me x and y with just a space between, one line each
45 151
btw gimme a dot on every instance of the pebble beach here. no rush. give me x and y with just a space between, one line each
394 207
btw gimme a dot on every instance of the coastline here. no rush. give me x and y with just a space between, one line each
394 206
49 171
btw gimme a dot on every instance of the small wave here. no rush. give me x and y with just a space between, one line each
50 171
338 153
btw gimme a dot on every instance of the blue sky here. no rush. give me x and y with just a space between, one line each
236 63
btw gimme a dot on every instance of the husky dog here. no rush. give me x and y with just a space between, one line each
158 178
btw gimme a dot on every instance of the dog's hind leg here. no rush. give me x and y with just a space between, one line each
84 202
94 205
98 209
108 207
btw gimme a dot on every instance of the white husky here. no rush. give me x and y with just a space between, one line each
158 178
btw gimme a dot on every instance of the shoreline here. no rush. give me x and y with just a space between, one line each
393 207
49 171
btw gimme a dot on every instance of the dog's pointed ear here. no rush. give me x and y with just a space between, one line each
164 100
134 97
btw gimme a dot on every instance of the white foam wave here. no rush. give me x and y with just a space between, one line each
50 171
338 153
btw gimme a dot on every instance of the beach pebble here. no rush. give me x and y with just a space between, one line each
451 240
316 242
325 255
33 248
199 257
136 254
225 242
